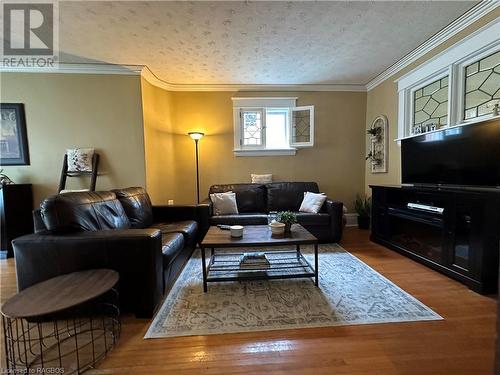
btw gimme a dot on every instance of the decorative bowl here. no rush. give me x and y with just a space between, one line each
277 228
236 230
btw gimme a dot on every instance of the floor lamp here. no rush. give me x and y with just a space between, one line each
196 136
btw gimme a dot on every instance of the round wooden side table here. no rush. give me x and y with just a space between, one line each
63 325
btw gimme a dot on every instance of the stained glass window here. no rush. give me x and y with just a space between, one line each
482 86
252 128
431 105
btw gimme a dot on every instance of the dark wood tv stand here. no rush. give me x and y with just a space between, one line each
461 242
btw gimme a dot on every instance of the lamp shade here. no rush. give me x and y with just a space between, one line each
196 135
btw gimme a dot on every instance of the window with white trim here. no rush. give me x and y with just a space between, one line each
482 86
430 106
271 126
459 86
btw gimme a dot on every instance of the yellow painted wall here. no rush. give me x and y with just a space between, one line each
383 99
160 155
336 161
78 110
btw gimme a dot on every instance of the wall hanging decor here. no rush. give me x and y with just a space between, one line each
13 138
377 154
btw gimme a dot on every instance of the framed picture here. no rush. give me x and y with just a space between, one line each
13 137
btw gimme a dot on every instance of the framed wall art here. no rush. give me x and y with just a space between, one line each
13 136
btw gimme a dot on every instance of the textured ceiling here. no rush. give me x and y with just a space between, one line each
214 42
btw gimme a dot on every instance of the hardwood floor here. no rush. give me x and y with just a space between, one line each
462 343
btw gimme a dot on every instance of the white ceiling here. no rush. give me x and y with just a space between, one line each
215 42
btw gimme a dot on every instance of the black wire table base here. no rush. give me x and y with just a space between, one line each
68 342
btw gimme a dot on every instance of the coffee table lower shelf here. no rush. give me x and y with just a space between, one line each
283 264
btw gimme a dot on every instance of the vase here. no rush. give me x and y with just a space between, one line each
288 227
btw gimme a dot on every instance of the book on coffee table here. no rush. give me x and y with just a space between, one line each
254 260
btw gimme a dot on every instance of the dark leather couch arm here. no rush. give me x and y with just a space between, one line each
335 210
165 214
134 253
205 211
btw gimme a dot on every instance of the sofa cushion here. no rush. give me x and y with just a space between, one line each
249 197
188 228
240 219
172 245
137 206
287 196
313 219
83 211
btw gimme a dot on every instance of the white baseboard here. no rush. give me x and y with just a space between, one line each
352 220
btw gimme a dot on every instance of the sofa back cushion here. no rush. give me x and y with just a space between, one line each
83 211
288 196
137 206
249 197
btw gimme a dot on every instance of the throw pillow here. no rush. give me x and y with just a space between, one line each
312 202
261 178
80 159
224 203
72 191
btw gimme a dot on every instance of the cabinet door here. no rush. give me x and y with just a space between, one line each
379 225
466 245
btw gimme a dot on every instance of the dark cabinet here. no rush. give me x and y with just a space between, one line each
16 206
453 231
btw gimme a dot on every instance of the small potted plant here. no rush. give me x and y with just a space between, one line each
288 218
363 206
375 132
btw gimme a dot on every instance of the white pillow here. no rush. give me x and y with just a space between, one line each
312 202
80 159
261 178
72 191
224 203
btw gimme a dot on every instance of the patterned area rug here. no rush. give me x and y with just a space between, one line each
350 293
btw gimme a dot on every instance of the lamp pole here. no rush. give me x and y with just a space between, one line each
196 136
197 172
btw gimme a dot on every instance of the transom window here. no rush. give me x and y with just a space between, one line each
459 86
482 86
271 126
430 106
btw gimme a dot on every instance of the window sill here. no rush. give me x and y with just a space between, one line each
265 152
465 123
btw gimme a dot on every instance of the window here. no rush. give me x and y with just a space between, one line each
271 126
430 106
252 123
458 86
302 123
482 86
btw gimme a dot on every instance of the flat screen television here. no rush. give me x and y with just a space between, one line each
465 156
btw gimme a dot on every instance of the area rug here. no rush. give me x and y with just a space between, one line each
350 293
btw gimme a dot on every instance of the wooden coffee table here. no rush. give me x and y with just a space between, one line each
284 264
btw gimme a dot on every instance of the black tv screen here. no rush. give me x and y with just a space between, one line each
466 156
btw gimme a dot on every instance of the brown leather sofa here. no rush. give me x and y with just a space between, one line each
120 229
254 201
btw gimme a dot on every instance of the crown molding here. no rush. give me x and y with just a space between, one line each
149 76
146 73
468 18
102 68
